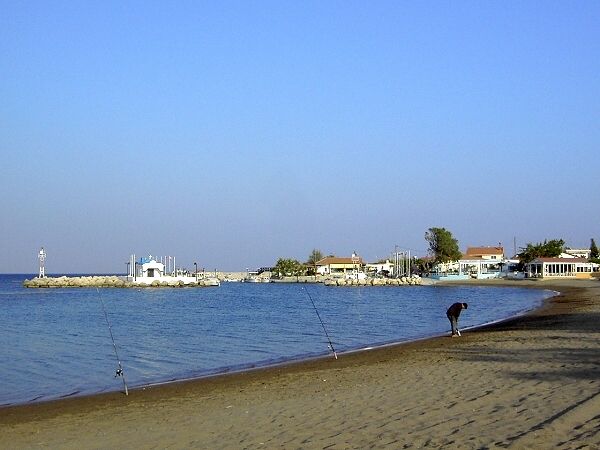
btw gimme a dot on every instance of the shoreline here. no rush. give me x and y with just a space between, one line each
312 403
284 361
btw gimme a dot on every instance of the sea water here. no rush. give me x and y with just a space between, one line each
57 342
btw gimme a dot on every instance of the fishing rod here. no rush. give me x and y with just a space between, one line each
119 372
322 324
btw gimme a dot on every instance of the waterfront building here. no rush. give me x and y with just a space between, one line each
476 262
383 267
147 270
151 268
561 268
332 265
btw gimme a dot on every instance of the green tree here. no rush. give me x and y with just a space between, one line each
594 250
289 267
311 264
547 249
442 245
315 256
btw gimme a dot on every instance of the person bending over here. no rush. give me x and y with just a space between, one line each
452 314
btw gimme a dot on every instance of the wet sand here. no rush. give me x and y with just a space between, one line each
528 382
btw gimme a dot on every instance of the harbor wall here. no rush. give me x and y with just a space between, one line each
115 281
106 282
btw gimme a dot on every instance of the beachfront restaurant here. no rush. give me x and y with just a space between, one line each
332 265
560 268
479 268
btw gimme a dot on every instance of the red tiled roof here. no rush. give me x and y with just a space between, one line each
485 251
336 260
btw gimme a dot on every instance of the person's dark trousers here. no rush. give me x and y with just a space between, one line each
453 324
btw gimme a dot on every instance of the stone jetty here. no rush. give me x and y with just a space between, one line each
403 281
119 282
105 282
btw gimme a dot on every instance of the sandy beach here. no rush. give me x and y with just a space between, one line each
528 382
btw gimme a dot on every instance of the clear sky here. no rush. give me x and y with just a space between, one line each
234 133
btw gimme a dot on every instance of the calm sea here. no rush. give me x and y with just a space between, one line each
56 342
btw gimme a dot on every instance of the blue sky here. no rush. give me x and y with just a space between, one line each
235 133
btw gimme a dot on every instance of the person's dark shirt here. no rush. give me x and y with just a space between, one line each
455 309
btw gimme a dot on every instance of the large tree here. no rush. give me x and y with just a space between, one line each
442 245
315 255
311 264
547 249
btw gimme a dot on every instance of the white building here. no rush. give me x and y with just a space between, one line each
480 268
386 267
332 265
560 268
446 267
149 271
476 262
579 252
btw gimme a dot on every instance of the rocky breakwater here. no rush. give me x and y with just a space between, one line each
106 281
403 281
61 282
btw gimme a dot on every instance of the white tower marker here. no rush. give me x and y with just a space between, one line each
42 258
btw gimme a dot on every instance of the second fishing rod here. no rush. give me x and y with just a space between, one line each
119 372
322 324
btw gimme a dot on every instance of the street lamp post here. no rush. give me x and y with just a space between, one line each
196 271
135 271
127 264
355 261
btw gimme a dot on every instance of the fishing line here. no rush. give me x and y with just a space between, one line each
322 324
119 372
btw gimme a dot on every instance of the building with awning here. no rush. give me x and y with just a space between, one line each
560 268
